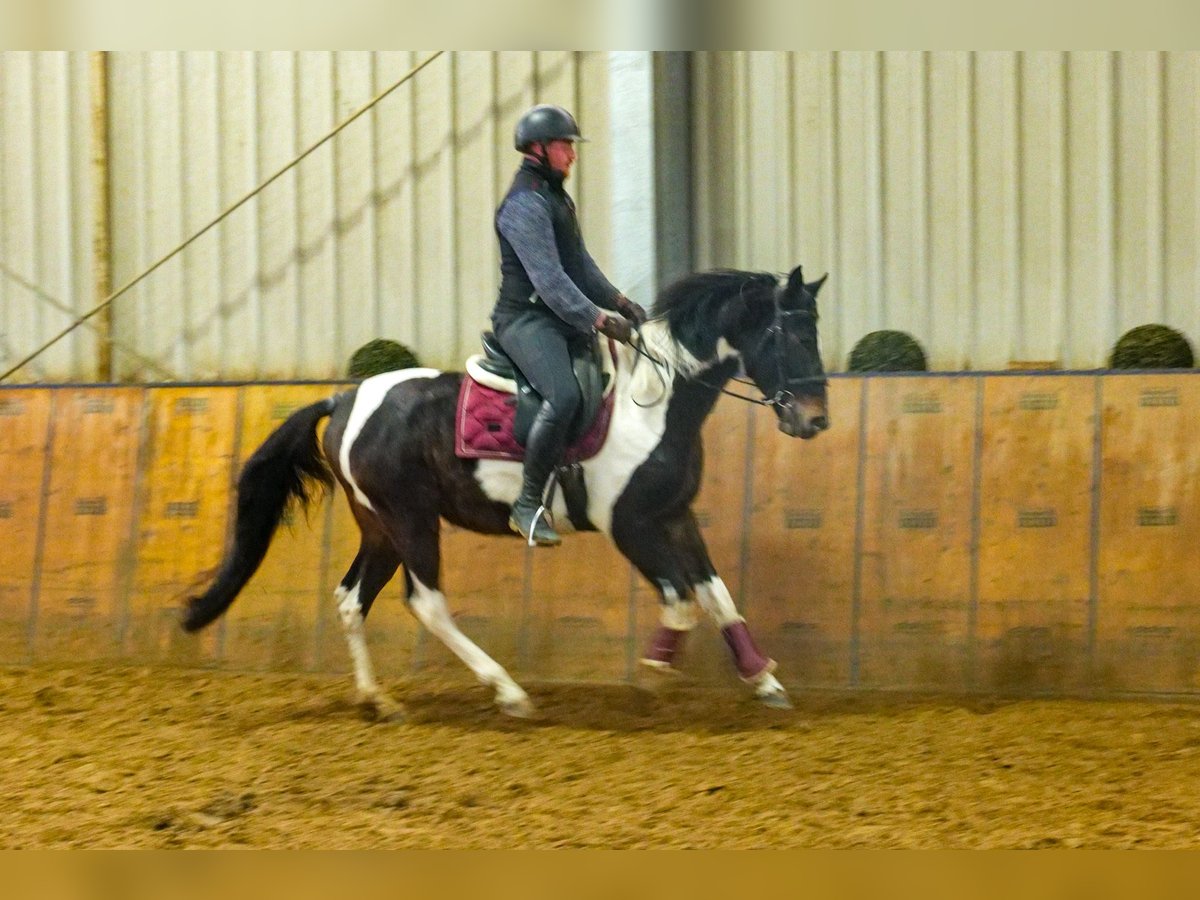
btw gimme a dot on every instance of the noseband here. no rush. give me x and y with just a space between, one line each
787 393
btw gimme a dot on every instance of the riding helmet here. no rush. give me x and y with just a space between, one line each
545 123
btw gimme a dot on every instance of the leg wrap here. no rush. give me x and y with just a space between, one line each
749 659
663 646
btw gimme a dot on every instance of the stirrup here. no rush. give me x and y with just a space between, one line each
538 532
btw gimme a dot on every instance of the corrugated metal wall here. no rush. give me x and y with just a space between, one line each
999 206
45 210
384 232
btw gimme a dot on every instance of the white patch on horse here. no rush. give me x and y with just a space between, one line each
639 418
714 596
642 395
679 615
368 399
352 624
500 480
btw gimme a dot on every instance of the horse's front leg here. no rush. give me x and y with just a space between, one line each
650 546
753 667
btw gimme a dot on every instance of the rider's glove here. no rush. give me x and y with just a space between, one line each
630 310
614 327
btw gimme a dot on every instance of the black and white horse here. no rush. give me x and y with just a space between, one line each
390 443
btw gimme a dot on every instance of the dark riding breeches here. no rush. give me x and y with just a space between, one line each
540 347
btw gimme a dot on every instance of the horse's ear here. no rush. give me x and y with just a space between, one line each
816 285
795 280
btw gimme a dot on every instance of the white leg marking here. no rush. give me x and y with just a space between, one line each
368 399
768 685
717 602
429 606
714 596
677 614
352 624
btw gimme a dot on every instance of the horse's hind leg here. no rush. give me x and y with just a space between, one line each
422 564
372 568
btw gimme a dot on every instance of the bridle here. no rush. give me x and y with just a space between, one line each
789 387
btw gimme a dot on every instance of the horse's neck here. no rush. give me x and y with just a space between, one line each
681 382
658 344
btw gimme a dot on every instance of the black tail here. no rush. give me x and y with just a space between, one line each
288 466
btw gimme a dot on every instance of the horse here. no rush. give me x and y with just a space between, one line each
390 444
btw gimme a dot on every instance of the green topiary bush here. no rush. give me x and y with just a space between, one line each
1151 347
381 355
887 351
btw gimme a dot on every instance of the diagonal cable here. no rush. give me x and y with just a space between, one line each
50 300
121 290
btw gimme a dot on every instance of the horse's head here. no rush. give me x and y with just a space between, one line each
776 334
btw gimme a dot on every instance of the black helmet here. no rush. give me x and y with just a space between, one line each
545 123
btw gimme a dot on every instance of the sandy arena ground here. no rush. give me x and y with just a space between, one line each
127 757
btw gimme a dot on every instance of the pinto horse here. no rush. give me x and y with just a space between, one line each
390 443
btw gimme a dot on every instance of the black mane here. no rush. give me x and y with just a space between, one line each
696 306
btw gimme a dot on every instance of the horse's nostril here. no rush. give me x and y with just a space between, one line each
821 423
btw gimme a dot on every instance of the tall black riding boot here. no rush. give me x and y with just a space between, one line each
543 449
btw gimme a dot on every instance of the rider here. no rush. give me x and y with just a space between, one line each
552 294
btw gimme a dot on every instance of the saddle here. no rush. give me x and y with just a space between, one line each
497 404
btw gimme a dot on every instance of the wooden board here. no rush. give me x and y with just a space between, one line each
1148 615
272 624
24 436
87 554
577 625
1035 531
182 516
916 532
800 579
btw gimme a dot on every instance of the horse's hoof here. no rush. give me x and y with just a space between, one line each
519 708
381 708
775 700
658 667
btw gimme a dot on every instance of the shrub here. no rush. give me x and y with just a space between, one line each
380 355
887 351
1151 347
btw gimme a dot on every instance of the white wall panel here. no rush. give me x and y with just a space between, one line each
45 212
384 232
1000 206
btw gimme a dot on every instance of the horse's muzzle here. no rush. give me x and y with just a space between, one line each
803 420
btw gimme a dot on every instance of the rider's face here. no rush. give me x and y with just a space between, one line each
561 156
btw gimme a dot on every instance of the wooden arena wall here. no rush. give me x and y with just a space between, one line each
995 533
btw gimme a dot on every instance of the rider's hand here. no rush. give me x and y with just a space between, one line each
630 310
614 327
